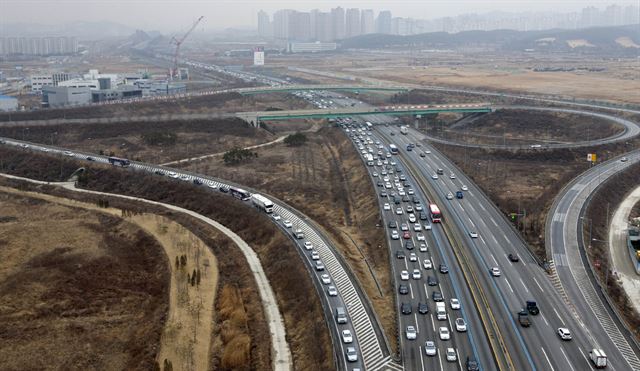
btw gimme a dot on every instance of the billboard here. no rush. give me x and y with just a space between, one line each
258 56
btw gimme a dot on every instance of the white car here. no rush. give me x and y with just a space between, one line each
423 247
416 274
449 196
315 255
399 211
464 188
413 257
287 223
495 271
461 325
430 348
173 174
347 338
452 176
434 176
412 218
325 279
275 216
332 291
444 333
473 234
386 206
427 227
427 151
411 333
417 227
426 264
401 192
375 175
455 303
352 354
564 333
404 275
451 355
395 235
308 245
420 237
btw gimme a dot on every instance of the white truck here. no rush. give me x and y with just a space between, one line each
262 203
598 358
441 311
404 130
369 158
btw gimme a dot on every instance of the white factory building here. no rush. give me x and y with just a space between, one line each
8 103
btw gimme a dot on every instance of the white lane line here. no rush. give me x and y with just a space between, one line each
493 221
558 315
433 324
567 358
421 357
536 281
545 319
545 356
411 290
494 260
508 284
525 286
415 315
440 361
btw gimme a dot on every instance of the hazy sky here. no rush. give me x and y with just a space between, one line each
171 15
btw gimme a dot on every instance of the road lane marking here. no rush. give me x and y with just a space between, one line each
493 221
558 315
421 357
567 358
545 319
525 286
411 290
508 284
545 356
536 281
415 315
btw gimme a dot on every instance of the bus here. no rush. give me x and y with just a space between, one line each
393 149
119 161
434 211
240 194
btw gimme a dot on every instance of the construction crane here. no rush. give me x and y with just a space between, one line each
178 43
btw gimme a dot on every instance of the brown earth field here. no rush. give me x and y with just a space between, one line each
527 126
326 180
608 197
74 286
527 181
308 337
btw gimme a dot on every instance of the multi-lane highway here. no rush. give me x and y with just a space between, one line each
371 351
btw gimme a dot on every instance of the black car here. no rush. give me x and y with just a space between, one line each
406 184
423 308
444 268
514 258
383 194
405 308
472 364
197 181
400 254
422 154
403 289
405 198
159 172
380 183
90 158
403 178
409 245
437 296
393 224
432 281
224 189
415 200
396 200
423 216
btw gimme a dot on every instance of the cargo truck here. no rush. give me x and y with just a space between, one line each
404 130
262 203
369 158
441 311
598 358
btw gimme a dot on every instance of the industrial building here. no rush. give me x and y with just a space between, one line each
64 96
311 47
8 103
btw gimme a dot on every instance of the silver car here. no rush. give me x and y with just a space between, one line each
430 348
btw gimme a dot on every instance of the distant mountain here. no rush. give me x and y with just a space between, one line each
82 30
142 40
620 40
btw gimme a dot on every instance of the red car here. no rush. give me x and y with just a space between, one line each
406 235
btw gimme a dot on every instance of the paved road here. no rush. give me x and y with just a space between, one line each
565 247
282 360
373 352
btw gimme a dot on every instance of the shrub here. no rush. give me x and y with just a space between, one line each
238 155
295 140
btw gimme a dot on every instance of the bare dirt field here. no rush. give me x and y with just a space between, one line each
326 180
74 286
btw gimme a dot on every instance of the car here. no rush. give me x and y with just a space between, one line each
495 271
325 279
308 245
444 269
423 308
197 181
89 158
473 234
315 255
451 355
394 235
393 224
400 254
417 227
422 154
514 258
68 153
437 296
413 257
455 303
403 289
411 192
401 192
387 185
461 325
352 354
423 247
287 223
564 333
380 183
399 211
449 196
332 291
375 175
452 176
383 194
404 275
184 177
416 275
404 227
434 176
173 174
275 216
427 227
386 206
464 188
409 208
408 245
405 308
319 266
347 338
224 189
430 348
624 159
426 264
405 198
406 235
411 333
432 281
427 152
420 237
472 364
444 333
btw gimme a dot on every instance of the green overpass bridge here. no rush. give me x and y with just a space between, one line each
399 110
290 88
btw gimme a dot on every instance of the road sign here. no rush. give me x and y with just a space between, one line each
591 157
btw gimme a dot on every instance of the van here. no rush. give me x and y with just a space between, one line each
341 315
440 171
441 311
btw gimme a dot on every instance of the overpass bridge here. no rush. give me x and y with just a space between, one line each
398 110
343 87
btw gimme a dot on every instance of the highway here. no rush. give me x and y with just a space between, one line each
566 248
368 338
